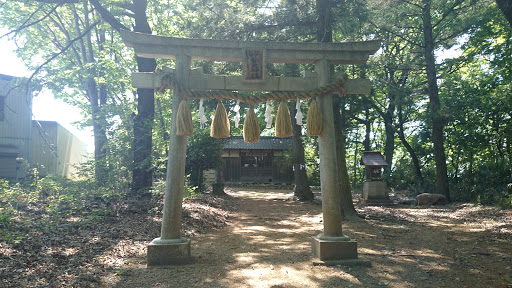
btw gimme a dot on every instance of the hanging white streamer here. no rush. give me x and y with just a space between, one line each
298 115
268 115
237 115
202 117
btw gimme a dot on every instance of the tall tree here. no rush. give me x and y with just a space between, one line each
324 35
393 88
439 24
82 67
301 190
506 8
142 172
347 204
438 120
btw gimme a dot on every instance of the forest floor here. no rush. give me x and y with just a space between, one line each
262 239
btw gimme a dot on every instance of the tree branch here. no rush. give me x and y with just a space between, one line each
257 27
396 34
25 25
59 53
412 3
107 16
447 13
58 1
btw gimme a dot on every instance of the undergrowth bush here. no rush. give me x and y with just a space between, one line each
488 184
189 192
51 200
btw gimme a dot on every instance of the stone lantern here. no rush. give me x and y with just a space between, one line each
375 190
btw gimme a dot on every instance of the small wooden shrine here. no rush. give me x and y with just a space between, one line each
375 191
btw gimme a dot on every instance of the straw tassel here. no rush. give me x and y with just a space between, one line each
220 124
314 121
251 127
283 121
184 125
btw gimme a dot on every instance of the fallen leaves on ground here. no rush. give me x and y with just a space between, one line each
83 251
460 245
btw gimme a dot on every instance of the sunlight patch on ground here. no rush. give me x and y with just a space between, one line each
74 219
94 239
329 273
268 195
289 223
250 229
363 235
257 239
267 275
286 230
59 250
124 249
246 257
6 249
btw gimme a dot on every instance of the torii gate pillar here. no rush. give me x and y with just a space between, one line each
331 244
170 248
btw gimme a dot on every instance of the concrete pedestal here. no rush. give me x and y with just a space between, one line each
375 193
334 248
336 251
169 252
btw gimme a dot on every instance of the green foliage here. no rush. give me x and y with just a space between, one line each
203 153
285 160
158 189
190 192
474 89
312 160
54 200
486 184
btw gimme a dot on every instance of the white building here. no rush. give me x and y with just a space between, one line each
26 143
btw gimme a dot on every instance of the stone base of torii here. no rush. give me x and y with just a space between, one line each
330 246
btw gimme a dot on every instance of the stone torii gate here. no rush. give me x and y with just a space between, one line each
330 245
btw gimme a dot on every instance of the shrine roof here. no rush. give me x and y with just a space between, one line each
371 158
265 143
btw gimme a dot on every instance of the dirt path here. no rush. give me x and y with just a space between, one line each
267 244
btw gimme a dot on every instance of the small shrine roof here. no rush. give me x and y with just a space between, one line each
265 143
371 158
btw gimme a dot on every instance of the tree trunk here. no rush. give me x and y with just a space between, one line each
143 121
302 189
99 133
389 147
506 7
218 186
368 128
98 120
347 205
324 21
435 105
324 35
356 152
412 153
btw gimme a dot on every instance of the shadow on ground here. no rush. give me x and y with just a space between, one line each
267 244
